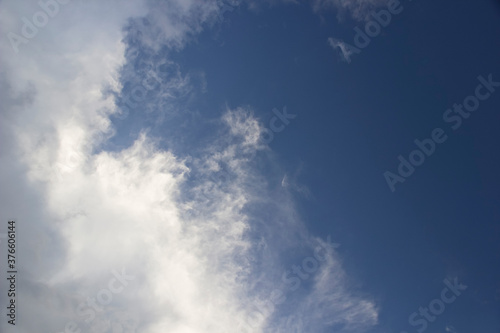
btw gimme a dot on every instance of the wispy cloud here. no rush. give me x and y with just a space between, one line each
345 50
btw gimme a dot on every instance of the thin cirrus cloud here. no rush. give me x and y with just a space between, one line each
203 250
344 49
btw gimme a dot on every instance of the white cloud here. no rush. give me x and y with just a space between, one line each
203 235
345 50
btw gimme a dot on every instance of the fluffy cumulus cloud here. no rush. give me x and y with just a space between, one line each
145 238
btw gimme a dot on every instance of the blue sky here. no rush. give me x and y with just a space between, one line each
251 166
